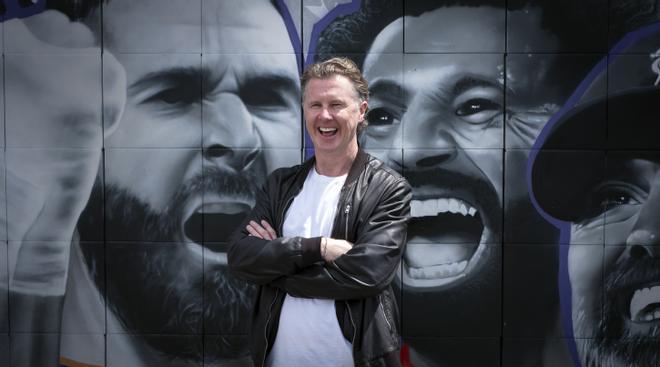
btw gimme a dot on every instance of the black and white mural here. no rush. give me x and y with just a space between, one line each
135 133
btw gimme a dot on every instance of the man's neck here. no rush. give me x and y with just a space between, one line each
333 165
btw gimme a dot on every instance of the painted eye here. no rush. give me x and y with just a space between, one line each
611 199
381 117
175 97
610 196
478 110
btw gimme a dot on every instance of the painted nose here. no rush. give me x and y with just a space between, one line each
644 239
442 149
230 139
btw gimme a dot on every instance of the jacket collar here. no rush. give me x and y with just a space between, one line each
357 166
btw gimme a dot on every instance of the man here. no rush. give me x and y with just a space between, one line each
438 114
596 176
325 238
185 140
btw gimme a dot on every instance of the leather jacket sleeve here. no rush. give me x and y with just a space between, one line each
261 261
370 265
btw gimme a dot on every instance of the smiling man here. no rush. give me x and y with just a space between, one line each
605 188
325 238
187 139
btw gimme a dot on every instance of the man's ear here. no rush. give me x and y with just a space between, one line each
364 105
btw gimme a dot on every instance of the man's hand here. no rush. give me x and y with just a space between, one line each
332 248
264 230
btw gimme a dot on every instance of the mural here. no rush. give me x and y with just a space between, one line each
610 223
136 133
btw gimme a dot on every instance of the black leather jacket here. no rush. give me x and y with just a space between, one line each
372 214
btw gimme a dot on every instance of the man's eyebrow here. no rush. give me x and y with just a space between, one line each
389 87
175 75
470 82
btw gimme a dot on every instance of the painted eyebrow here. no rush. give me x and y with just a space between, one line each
386 86
269 81
176 76
469 82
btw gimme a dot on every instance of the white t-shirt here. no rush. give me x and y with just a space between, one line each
309 333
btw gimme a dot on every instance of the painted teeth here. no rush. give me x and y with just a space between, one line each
433 207
645 304
438 271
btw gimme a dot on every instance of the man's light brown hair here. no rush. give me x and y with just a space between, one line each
338 66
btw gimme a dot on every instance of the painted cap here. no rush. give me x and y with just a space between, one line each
619 111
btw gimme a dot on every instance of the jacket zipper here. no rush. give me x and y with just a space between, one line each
346 211
350 317
382 308
270 313
283 213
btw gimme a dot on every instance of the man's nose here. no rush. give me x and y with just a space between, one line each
325 114
644 239
230 139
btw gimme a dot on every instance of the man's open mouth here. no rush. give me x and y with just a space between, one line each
327 131
213 221
447 239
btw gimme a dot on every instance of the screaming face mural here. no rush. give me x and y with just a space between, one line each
187 140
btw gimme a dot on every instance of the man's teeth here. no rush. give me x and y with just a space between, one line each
433 207
438 271
327 129
645 304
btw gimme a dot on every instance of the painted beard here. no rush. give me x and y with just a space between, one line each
629 330
154 284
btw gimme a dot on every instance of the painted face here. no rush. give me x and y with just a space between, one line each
615 293
191 147
332 111
444 115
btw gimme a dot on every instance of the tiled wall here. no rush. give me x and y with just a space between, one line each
134 134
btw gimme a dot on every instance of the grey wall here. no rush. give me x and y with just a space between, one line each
135 134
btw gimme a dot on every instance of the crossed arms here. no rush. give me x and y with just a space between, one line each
325 267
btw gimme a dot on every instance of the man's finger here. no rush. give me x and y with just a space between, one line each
263 233
253 231
270 229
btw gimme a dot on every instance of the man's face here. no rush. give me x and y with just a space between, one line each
333 111
446 112
187 153
615 302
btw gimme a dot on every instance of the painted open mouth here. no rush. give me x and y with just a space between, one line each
447 239
213 221
645 304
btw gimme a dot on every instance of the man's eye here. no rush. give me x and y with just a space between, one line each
478 110
381 117
179 96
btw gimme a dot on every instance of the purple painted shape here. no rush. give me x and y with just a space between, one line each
337 11
564 227
291 30
14 10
